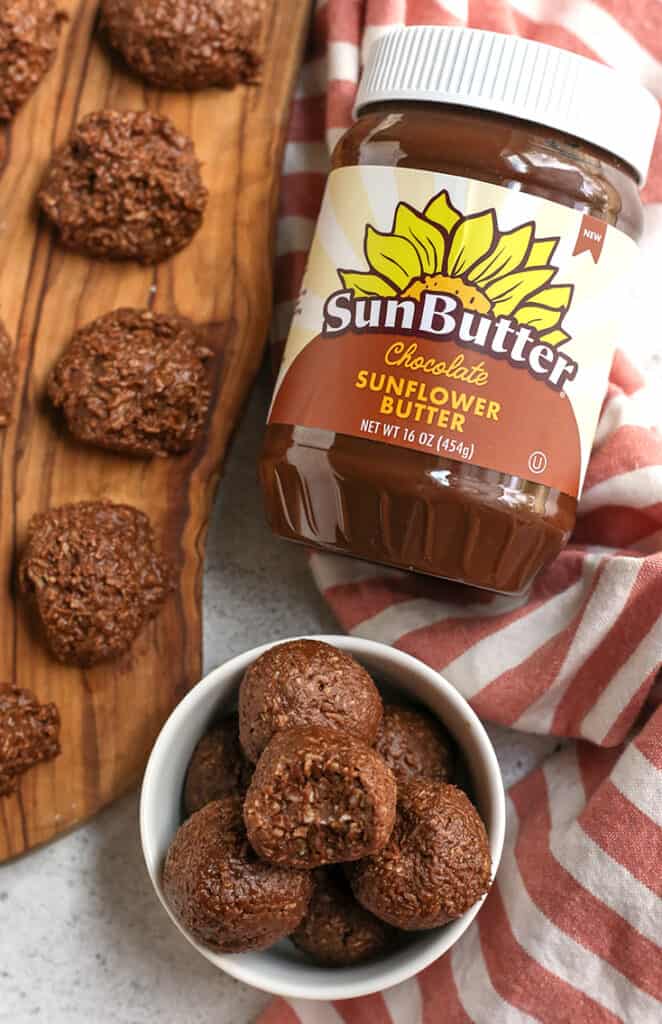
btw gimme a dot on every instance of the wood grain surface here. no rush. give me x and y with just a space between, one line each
112 713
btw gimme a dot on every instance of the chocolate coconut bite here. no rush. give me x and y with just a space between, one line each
7 376
126 186
95 577
414 745
217 768
28 40
188 44
29 734
336 930
319 797
436 864
134 382
221 892
306 682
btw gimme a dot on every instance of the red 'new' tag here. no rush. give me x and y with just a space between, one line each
591 237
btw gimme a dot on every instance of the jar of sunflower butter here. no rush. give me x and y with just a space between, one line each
466 288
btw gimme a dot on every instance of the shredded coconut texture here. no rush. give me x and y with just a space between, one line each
95 577
306 682
28 40
135 382
126 186
219 889
29 734
188 44
319 797
436 864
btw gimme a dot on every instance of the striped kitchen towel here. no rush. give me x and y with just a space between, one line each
572 928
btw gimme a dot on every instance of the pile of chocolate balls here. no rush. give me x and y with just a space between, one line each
320 814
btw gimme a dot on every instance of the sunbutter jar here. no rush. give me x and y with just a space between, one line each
450 350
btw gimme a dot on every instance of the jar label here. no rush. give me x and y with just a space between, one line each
457 318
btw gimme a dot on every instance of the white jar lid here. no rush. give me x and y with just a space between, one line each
517 77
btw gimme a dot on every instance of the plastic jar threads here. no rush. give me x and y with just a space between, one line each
444 373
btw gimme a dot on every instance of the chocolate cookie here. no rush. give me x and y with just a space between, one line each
414 744
221 892
217 768
436 864
126 186
29 733
319 797
28 40
336 930
306 682
188 44
7 376
135 382
95 578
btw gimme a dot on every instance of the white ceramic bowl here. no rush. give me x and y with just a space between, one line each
282 970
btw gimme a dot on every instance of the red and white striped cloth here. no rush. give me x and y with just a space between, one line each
572 928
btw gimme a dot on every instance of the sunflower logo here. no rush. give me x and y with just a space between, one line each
500 273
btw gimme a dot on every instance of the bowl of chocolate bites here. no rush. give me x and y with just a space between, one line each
322 817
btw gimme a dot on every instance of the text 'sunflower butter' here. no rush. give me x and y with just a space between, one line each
449 354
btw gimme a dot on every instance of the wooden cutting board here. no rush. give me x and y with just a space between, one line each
112 713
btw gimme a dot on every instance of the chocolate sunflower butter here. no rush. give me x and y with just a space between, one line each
467 285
